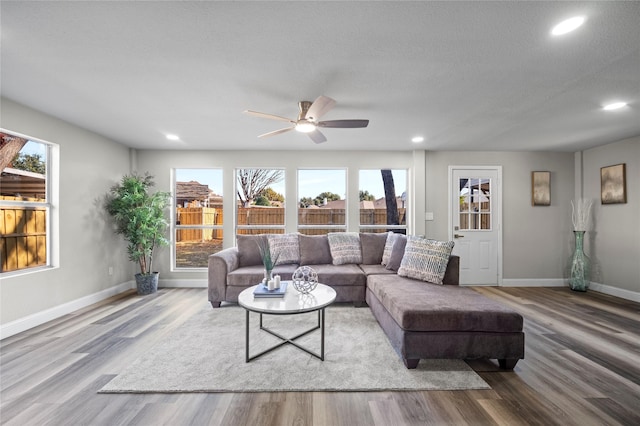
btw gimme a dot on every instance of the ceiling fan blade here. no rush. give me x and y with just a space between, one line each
276 132
344 124
320 107
317 136
270 116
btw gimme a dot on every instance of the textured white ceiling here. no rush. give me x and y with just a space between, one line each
465 75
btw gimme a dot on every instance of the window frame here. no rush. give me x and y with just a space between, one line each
175 227
405 227
237 227
323 227
48 206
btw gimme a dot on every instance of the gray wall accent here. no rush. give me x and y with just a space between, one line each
89 165
613 244
535 239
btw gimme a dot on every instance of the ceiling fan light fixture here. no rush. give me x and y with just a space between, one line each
305 127
568 25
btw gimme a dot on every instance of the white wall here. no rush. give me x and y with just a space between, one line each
613 244
89 165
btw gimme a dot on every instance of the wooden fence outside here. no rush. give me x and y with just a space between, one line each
24 237
256 216
198 216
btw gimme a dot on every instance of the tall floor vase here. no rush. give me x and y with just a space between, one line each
580 265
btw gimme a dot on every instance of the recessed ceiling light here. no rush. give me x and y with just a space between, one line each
417 139
615 105
568 25
173 137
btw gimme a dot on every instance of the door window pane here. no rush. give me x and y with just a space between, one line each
475 204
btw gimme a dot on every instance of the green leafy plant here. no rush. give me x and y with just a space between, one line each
139 217
268 260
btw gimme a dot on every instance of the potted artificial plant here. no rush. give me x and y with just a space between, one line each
139 217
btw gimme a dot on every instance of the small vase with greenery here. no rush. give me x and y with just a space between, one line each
140 218
268 260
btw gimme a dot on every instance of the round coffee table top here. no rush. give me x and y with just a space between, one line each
293 302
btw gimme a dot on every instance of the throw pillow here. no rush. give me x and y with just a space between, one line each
425 260
248 251
284 248
397 252
372 247
314 249
345 247
388 245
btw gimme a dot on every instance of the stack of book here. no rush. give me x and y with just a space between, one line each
263 291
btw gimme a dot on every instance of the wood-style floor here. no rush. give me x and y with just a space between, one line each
582 367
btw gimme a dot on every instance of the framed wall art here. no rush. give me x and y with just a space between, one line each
613 184
540 188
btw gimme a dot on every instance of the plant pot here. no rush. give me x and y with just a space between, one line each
147 283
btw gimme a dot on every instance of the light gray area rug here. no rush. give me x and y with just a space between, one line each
207 354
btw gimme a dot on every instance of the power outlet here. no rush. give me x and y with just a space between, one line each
110 270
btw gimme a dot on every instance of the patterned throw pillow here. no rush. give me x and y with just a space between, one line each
285 247
425 260
345 247
388 246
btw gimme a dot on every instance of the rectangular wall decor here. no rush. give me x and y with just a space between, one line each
540 188
613 184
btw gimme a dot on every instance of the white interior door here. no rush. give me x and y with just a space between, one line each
475 222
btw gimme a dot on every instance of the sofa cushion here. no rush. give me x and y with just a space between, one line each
375 269
284 248
417 306
345 247
425 259
248 251
372 245
397 252
341 275
314 249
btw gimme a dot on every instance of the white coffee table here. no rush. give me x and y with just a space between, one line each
292 303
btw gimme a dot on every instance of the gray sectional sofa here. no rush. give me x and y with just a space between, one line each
422 319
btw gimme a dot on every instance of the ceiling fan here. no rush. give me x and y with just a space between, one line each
307 121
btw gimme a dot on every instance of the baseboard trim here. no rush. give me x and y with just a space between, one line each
39 318
560 282
547 282
183 283
634 296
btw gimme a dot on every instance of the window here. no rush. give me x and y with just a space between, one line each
260 203
322 201
198 216
25 202
383 200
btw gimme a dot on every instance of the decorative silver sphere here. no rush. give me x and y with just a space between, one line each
305 279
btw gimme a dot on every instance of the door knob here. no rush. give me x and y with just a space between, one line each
458 236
